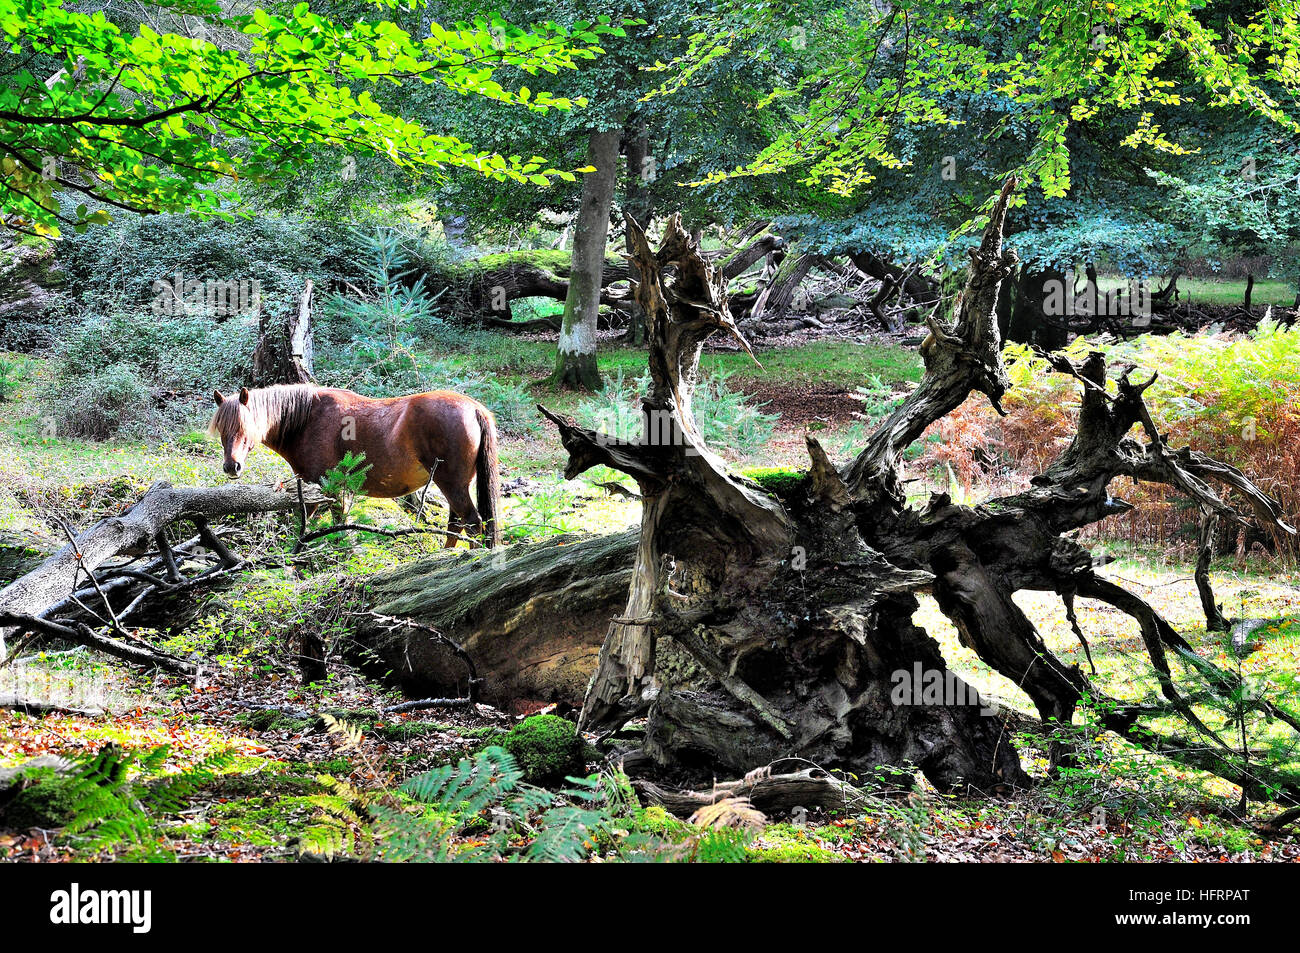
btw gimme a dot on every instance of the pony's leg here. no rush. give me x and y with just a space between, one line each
454 530
464 513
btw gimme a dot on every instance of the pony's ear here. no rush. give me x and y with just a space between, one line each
243 395
217 398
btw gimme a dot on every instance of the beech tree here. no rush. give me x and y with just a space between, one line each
575 363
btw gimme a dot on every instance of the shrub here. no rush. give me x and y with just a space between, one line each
119 263
103 404
547 748
143 375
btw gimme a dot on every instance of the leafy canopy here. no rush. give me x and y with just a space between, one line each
137 119
880 68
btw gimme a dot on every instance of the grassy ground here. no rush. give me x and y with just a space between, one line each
32 448
1221 291
278 784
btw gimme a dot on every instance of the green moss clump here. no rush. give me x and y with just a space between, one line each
786 844
655 820
51 801
781 482
547 748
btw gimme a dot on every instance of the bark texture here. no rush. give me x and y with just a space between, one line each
284 353
576 359
532 618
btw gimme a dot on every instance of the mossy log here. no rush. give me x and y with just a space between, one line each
531 616
483 289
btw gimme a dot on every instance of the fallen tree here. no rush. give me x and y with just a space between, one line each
483 289
761 625
532 617
112 569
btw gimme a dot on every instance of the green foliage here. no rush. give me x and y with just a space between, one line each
344 481
779 481
547 748
543 511
787 844
378 340
112 800
102 105
137 375
254 627
136 261
726 418
489 789
1057 63
370 339
14 372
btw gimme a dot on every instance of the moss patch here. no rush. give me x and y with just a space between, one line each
781 482
786 844
48 801
547 748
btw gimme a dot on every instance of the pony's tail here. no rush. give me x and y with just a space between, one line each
489 478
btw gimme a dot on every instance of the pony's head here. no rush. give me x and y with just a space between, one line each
238 427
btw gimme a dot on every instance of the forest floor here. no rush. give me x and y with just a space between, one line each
277 783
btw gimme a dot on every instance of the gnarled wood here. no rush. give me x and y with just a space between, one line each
757 627
760 627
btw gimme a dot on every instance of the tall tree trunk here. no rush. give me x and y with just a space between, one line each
640 173
575 364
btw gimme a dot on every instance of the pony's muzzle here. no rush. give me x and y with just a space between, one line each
233 468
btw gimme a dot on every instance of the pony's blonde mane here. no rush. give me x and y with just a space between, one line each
276 413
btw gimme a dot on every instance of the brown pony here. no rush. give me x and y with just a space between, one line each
405 439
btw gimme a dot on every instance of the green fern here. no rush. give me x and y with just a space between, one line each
117 797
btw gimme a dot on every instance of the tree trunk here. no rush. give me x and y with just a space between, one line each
575 363
28 273
80 568
637 204
482 290
284 353
758 627
532 619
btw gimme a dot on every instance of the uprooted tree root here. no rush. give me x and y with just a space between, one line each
758 628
